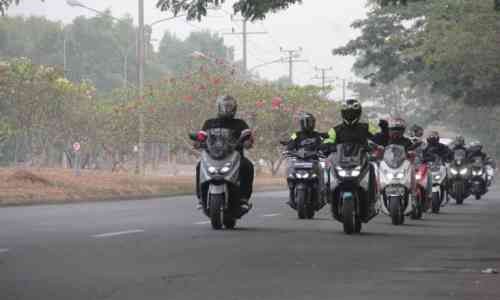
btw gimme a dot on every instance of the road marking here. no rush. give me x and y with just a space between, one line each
271 215
4 250
202 223
111 234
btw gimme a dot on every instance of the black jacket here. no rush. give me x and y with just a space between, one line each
237 126
441 150
310 141
357 134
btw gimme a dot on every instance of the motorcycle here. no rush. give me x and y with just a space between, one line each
220 176
306 182
439 175
424 185
478 180
397 182
458 171
350 187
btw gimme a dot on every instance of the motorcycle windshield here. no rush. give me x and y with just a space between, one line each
349 155
220 142
459 155
394 156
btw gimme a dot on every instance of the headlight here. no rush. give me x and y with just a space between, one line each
212 170
390 176
464 171
418 176
453 171
400 175
437 177
226 168
291 175
342 173
355 173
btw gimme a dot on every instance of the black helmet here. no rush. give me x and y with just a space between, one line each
351 112
383 124
433 138
226 107
307 122
416 131
397 128
459 141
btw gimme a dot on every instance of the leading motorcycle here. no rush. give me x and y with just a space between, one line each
350 187
220 176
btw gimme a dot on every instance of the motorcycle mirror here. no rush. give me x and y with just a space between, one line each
192 136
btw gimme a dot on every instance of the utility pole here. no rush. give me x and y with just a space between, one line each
292 55
244 33
343 89
140 169
323 76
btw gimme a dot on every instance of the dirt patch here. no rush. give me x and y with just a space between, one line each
27 187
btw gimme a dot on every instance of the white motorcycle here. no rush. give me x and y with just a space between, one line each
397 179
439 176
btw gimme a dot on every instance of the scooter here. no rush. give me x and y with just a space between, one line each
306 182
478 180
220 176
459 174
352 196
397 180
439 176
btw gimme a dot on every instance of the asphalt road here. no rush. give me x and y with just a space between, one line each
165 249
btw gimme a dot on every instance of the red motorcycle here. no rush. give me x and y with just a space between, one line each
423 201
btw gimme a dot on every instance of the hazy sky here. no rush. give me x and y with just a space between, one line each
317 26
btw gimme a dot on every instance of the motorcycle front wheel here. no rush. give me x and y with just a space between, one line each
216 211
397 215
436 202
350 221
304 207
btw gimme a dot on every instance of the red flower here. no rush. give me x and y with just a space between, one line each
188 98
216 81
260 103
276 102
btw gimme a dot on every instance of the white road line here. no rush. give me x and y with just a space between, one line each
202 223
271 215
4 250
111 234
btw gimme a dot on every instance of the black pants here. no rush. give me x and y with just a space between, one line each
246 178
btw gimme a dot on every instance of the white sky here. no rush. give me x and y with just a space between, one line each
317 26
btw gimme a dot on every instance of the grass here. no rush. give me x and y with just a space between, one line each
28 187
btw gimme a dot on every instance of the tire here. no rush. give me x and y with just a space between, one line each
436 202
418 210
301 200
215 210
358 226
229 221
349 216
460 195
397 216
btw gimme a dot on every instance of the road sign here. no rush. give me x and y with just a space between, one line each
76 147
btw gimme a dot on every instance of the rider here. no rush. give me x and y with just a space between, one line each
435 148
382 138
226 110
397 128
352 130
475 149
458 144
307 138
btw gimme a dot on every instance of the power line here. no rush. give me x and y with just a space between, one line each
292 58
244 33
323 76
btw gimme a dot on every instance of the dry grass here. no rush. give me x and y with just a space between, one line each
23 187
